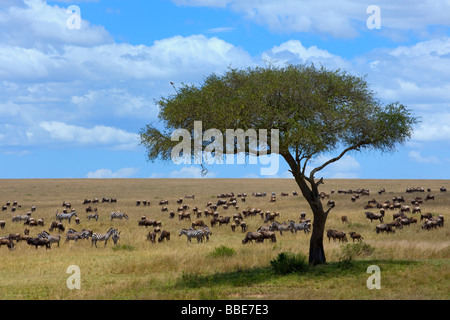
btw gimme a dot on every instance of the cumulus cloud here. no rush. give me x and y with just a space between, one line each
98 135
343 19
109 174
417 156
33 23
190 172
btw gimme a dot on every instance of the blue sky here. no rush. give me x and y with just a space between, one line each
72 101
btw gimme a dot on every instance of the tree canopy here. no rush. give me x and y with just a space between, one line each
317 111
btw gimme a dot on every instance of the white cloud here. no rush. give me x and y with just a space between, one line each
416 156
190 172
434 127
343 19
98 135
293 52
34 23
109 174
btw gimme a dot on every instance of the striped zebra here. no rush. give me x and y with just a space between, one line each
192 233
299 226
118 215
65 216
102 236
51 238
115 236
93 216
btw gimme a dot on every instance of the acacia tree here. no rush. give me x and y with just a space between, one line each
317 112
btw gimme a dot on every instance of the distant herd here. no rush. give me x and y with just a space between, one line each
199 229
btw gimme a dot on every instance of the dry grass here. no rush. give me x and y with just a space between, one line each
414 262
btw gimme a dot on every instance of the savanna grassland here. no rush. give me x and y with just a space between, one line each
414 263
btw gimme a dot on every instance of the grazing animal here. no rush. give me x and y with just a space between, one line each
198 223
344 219
2 224
250 236
374 216
305 226
192 233
356 236
65 216
384 228
51 238
115 237
164 235
6 241
336 234
118 215
276 226
425 216
56 225
269 235
151 236
76 236
102 236
93 216
39 242
184 215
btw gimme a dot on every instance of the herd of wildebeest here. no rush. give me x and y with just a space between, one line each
403 214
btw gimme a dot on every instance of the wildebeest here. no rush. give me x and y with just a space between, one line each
336 234
198 223
2 224
6 241
164 235
56 225
151 236
39 242
384 228
250 236
374 216
356 236
184 215
149 222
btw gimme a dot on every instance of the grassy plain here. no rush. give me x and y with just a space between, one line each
414 263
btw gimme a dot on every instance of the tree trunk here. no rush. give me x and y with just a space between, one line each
316 251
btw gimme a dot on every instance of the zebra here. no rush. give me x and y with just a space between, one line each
102 236
51 238
281 227
206 232
67 216
299 226
115 236
118 215
93 216
191 233
75 235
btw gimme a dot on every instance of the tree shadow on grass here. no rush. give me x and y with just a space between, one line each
247 277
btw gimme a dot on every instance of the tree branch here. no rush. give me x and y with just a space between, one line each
354 147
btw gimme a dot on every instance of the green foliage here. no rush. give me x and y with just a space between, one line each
351 251
126 247
223 251
316 110
288 262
